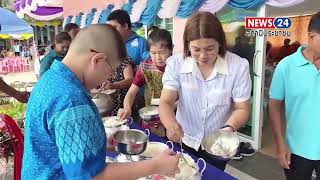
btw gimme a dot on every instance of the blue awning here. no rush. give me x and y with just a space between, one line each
10 23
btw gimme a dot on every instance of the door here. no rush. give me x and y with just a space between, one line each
252 47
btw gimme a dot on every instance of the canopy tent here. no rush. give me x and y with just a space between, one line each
146 11
39 9
11 26
141 11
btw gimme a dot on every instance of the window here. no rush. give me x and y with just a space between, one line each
233 23
141 31
165 24
161 23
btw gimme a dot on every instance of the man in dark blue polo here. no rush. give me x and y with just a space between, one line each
137 46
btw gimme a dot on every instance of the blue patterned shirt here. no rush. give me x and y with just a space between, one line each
47 61
64 134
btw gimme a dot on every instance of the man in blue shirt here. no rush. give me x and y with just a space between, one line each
64 133
137 46
72 29
294 100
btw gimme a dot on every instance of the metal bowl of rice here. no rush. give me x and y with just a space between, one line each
221 143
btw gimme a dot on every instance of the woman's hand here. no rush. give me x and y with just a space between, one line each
227 129
175 132
124 113
104 85
22 96
112 86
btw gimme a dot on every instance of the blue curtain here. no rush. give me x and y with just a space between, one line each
187 7
246 4
90 17
69 18
128 7
149 14
78 19
104 14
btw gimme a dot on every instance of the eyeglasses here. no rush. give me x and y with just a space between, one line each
208 51
112 68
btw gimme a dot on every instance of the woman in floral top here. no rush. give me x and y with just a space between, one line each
120 81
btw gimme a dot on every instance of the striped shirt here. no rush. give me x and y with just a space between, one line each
205 105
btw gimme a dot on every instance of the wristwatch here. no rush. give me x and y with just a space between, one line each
227 125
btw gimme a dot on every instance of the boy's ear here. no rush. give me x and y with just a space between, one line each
97 58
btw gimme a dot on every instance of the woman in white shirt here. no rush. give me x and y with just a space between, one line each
38 57
213 86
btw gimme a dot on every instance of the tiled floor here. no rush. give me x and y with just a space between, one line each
24 77
268 146
260 166
238 174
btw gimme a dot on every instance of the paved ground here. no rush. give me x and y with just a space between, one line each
24 77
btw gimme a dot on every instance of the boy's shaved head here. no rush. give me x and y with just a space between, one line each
94 54
100 38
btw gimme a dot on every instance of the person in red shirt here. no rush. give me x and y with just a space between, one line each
295 46
285 50
150 72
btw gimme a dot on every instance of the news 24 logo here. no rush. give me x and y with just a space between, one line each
268 23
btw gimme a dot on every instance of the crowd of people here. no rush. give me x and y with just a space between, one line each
286 50
204 89
138 67
18 48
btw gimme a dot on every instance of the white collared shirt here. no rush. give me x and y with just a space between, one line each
206 105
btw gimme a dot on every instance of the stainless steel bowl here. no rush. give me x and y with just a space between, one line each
222 143
110 159
154 117
112 128
121 123
154 148
112 93
122 158
131 141
103 102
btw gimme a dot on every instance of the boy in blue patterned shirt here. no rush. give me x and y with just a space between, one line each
64 133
